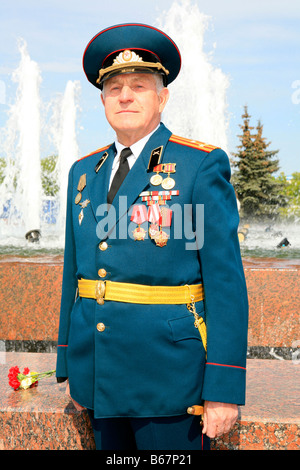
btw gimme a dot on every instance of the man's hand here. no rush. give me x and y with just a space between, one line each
77 406
218 418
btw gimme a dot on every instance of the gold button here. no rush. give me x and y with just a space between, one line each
100 327
102 273
103 246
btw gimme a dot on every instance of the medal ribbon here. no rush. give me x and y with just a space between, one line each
158 168
166 217
169 167
160 193
139 214
154 214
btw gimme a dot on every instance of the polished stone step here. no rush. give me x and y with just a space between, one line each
43 417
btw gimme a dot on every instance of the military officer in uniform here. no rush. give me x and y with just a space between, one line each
153 322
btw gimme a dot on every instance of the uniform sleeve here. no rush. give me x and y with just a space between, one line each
69 286
226 302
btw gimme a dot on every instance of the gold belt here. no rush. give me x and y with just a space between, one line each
139 294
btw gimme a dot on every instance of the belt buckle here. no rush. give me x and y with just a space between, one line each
100 292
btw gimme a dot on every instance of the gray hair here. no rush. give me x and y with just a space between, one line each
158 81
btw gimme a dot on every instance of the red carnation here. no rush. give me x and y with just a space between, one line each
13 377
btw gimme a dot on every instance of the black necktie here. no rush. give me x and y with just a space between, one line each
120 175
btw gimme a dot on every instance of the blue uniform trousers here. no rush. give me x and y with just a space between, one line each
163 433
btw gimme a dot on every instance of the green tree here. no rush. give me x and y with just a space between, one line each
292 193
49 176
259 193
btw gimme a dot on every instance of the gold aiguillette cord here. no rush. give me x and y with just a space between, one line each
199 322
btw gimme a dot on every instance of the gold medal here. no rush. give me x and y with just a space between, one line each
156 180
81 183
78 198
168 183
161 239
153 231
139 234
139 216
83 205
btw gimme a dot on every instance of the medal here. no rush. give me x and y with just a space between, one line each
139 215
153 231
80 217
161 239
157 179
80 187
169 183
164 221
83 205
139 234
78 198
81 183
159 217
154 217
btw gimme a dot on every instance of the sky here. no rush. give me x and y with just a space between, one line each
256 44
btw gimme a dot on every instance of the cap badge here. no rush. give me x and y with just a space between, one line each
127 56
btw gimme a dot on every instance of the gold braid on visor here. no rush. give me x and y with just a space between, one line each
130 60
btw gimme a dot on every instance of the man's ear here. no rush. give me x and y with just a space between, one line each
102 99
163 97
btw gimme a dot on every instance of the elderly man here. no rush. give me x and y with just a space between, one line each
158 328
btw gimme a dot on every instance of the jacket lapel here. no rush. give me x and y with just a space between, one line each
97 182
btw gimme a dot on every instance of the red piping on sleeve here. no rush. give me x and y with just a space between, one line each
225 365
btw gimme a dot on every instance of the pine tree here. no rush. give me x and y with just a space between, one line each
259 193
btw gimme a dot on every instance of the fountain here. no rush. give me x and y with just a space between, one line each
21 190
26 214
199 91
64 135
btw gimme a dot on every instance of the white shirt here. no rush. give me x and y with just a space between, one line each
136 149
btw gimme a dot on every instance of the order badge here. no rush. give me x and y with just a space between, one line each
139 215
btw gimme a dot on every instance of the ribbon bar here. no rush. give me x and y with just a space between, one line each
160 193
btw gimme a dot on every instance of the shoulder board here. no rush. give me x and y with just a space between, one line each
192 143
96 151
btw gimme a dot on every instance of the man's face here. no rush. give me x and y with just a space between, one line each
133 105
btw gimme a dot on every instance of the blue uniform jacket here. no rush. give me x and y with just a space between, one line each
149 360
